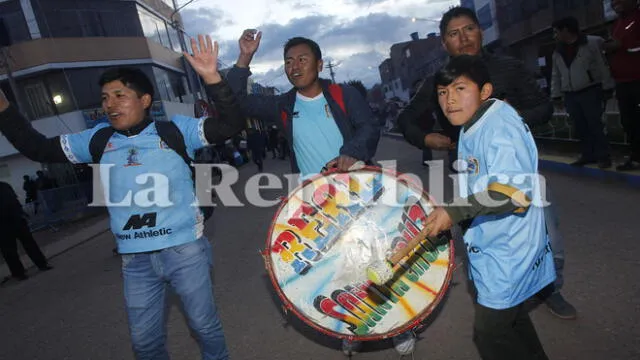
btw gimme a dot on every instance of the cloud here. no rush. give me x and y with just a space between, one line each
204 20
357 34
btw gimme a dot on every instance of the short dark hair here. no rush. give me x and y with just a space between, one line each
315 48
471 66
133 78
570 23
455 12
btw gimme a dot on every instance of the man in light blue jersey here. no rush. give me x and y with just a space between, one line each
149 192
510 257
327 125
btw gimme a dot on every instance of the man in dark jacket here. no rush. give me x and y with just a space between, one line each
461 34
352 135
14 226
255 144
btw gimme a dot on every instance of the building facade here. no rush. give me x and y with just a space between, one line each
408 63
53 52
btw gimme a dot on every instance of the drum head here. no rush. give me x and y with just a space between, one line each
331 229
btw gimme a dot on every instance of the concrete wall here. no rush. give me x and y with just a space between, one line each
40 52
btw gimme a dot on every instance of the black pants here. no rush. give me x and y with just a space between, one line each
628 95
19 229
585 108
506 334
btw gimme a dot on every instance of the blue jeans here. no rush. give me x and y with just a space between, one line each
186 268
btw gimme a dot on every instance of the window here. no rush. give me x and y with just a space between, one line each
37 99
170 85
154 28
86 18
46 95
174 36
407 53
13 26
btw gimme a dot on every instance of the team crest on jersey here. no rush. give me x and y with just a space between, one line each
473 165
132 157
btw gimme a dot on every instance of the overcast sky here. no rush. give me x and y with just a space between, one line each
356 34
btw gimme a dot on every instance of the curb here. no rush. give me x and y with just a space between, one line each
595 173
560 166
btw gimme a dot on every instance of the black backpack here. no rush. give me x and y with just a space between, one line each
167 131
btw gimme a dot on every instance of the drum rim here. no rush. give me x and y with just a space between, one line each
290 306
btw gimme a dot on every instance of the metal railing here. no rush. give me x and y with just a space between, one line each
59 205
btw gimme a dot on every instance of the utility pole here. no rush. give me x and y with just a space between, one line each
194 88
333 74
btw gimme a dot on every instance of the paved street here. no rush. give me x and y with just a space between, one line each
76 311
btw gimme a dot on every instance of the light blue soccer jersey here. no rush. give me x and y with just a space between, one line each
509 255
316 137
148 187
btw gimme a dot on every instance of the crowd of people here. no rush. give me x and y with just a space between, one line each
482 101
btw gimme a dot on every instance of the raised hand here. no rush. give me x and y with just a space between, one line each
249 42
205 59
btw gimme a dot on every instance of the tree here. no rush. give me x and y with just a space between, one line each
359 86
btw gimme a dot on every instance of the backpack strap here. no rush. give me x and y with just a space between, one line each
336 93
98 142
169 133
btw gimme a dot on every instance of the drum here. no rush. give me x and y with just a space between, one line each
330 229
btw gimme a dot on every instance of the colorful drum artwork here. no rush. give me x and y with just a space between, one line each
326 233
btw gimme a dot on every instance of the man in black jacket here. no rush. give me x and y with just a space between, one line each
512 82
15 226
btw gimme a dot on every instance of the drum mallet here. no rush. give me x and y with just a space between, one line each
382 271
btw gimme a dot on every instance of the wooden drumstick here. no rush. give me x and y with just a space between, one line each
382 271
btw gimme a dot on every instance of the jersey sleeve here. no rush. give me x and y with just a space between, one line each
76 146
192 130
511 162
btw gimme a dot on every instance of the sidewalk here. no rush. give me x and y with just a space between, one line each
552 159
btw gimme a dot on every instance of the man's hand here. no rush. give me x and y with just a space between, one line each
4 103
342 162
438 221
205 59
437 141
249 43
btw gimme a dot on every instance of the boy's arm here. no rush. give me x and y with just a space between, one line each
367 128
489 202
28 141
